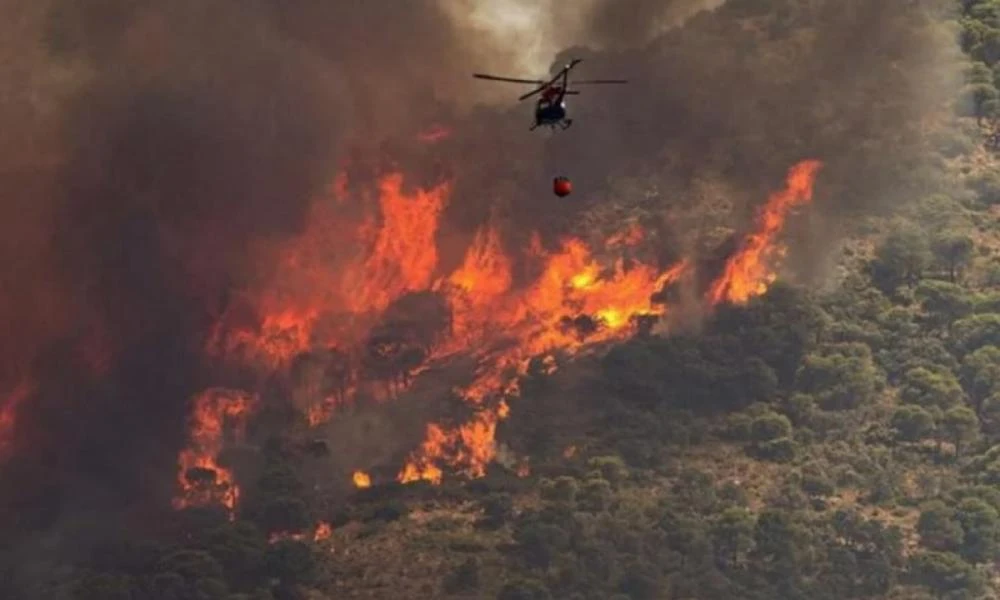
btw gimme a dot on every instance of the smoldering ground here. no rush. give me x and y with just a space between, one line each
163 141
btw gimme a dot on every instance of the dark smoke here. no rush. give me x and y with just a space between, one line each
729 101
197 132
630 23
152 145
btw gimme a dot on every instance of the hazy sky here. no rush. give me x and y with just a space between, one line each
531 31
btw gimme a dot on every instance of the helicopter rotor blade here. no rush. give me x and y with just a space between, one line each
507 79
593 81
546 84
532 92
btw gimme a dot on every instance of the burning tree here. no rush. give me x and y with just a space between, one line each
400 315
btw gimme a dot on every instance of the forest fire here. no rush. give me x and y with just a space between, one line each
749 271
572 284
351 287
217 412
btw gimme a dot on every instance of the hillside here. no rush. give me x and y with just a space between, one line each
828 431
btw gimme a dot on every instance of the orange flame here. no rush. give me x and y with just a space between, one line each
385 257
748 272
323 531
572 283
217 411
320 413
404 256
361 480
333 283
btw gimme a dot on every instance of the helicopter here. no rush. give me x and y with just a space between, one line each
550 110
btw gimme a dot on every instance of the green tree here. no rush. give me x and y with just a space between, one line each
780 450
980 374
239 547
595 496
696 488
778 546
737 427
901 259
816 482
839 377
732 537
562 490
989 415
944 572
961 425
770 426
981 525
980 100
931 388
938 528
777 328
953 253
978 72
943 302
912 423
940 212
190 573
975 331
612 468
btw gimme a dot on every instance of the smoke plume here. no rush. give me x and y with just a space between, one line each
151 149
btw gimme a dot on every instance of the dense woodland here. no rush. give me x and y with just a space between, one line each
815 444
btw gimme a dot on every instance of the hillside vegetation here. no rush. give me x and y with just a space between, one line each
811 444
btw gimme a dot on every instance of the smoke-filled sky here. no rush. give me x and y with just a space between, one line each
149 147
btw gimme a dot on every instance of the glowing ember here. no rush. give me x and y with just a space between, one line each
749 271
8 416
323 531
216 413
320 413
361 480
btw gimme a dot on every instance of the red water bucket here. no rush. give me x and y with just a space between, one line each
562 187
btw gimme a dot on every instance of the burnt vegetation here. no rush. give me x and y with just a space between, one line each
821 442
